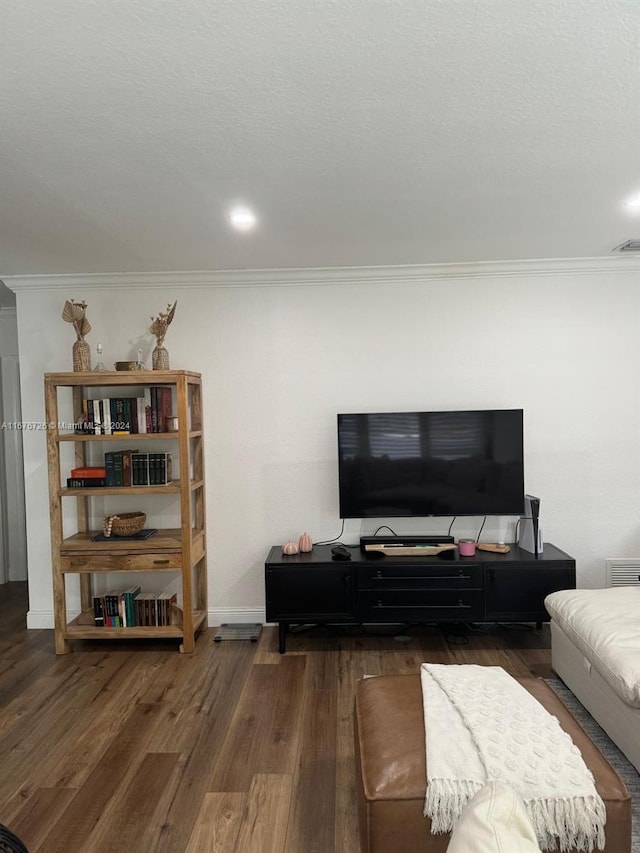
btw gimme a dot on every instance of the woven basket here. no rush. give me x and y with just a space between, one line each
125 524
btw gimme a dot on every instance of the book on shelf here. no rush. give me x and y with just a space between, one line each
141 414
128 597
117 468
86 482
105 405
147 409
88 471
98 611
126 467
97 417
109 469
166 601
165 407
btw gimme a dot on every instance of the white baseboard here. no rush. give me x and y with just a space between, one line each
40 619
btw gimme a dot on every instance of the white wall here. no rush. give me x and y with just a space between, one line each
8 332
280 360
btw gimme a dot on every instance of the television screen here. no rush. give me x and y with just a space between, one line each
431 463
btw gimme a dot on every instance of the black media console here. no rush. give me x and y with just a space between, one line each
313 588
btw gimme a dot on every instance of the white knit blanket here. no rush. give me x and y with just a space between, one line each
482 726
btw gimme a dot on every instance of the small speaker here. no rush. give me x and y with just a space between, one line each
530 532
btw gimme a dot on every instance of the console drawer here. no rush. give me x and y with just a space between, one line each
440 605
411 577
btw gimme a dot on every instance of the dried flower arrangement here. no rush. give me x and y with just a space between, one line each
75 313
158 328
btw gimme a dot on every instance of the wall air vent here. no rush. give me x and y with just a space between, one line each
623 571
628 246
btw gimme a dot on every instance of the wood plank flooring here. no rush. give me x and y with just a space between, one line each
132 746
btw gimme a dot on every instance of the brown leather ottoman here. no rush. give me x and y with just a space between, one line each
391 767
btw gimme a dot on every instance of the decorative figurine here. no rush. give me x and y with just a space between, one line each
305 544
289 548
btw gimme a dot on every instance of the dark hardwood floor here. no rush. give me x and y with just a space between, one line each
133 746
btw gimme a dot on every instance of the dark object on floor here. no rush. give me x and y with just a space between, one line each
238 631
10 843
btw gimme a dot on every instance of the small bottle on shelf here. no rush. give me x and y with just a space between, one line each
99 363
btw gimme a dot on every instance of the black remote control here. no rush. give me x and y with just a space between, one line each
339 552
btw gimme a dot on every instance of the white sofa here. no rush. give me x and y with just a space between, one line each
595 649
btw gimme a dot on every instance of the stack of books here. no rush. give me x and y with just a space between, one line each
88 476
133 468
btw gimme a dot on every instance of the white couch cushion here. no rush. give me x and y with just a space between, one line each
495 821
605 625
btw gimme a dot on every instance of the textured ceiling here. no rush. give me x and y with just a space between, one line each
363 132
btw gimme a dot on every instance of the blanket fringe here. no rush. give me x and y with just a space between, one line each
445 801
573 823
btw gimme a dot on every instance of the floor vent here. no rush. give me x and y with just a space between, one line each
628 246
623 571
238 631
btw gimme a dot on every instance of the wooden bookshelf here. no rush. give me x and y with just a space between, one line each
180 550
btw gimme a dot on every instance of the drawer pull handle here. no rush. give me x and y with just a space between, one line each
458 606
381 577
161 562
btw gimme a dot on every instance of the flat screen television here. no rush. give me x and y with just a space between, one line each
431 463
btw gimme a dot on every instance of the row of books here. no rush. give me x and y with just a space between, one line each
124 468
127 415
132 468
131 607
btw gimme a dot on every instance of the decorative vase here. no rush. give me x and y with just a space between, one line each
81 356
160 358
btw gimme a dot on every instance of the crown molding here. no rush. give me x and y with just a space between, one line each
309 276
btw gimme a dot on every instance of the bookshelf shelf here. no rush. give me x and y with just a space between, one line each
82 628
168 489
170 550
151 436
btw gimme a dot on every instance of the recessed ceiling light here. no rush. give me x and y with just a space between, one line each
633 204
242 218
